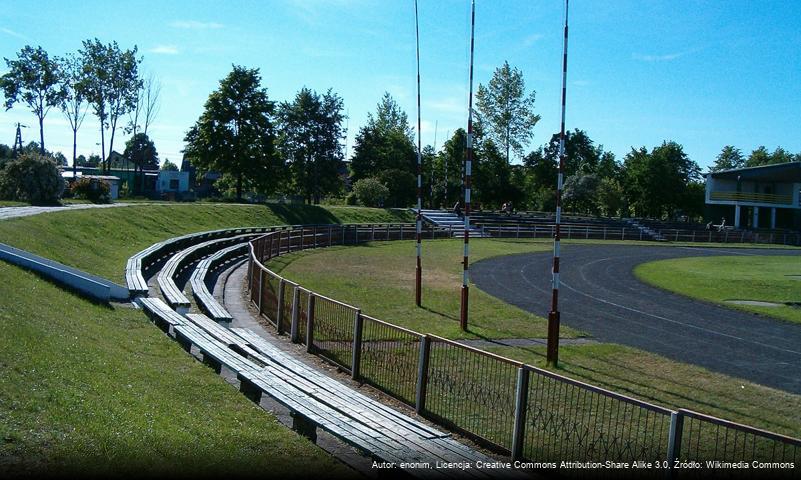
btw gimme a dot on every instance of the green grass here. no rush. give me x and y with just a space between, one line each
95 390
100 241
717 279
379 278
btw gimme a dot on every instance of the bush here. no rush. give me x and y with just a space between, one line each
370 192
351 199
92 189
32 178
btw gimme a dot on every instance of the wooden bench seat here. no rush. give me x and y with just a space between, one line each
161 314
291 379
166 278
203 295
138 263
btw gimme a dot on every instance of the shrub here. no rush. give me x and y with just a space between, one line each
92 189
370 192
33 178
402 187
351 199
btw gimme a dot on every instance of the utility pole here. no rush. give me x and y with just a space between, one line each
18 141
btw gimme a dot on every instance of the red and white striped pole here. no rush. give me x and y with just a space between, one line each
552 355
418 277
468 167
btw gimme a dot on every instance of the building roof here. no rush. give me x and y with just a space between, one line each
779 172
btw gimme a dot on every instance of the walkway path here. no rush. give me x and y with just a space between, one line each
601 295
15 212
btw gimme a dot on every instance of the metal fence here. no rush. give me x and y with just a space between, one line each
517 409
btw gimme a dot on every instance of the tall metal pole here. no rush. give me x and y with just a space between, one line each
467 175
418 277
552 355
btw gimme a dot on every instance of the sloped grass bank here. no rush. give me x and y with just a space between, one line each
95 390
100 241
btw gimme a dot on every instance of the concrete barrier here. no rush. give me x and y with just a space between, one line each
92 286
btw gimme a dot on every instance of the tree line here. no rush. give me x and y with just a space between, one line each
100 77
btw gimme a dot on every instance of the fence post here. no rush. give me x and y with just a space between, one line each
401 231
604 233
518 230
279 316
310 324
314 240
521 405
293 328
372 233
422 374
342 227
356 359
674 440
261 289
586 233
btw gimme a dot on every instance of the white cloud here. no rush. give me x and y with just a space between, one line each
657 58
532 39
12 33
164 50
195 25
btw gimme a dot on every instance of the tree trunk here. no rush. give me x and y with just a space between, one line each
239 187
41 135
102 148
74 153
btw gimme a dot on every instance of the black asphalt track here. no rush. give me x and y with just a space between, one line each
601 296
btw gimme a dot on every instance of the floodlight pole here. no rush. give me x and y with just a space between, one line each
418 278
467 176
552 355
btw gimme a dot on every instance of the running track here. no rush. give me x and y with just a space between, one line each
600 295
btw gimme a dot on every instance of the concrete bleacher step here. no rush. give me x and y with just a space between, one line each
451 221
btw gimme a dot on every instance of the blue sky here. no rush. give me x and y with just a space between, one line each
702 73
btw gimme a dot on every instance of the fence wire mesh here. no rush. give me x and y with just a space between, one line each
333 331
389 358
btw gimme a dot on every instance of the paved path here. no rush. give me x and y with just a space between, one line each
601 295
15 212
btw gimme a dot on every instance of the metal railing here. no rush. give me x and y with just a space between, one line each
513 408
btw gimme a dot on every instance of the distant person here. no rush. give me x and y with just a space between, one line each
709 225
457 209
510 209
503 207
722 224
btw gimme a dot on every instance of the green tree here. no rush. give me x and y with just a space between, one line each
448 168
611 197
657 182
780 155
73 104
506 110
759 156
112 85
310 138
492 177
386 142
729 158
141 150
168 166
33 78
582 156
581 193
235 134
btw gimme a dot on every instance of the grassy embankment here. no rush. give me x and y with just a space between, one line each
92 389
352 274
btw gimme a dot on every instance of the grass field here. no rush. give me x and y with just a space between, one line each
95 390
379 278
717 279
98 390
100 241
352 274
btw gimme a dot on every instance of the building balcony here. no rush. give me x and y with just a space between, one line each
752 198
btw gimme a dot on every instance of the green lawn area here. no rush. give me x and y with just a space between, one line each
379 278
716 279
353 274
95 390
100 241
